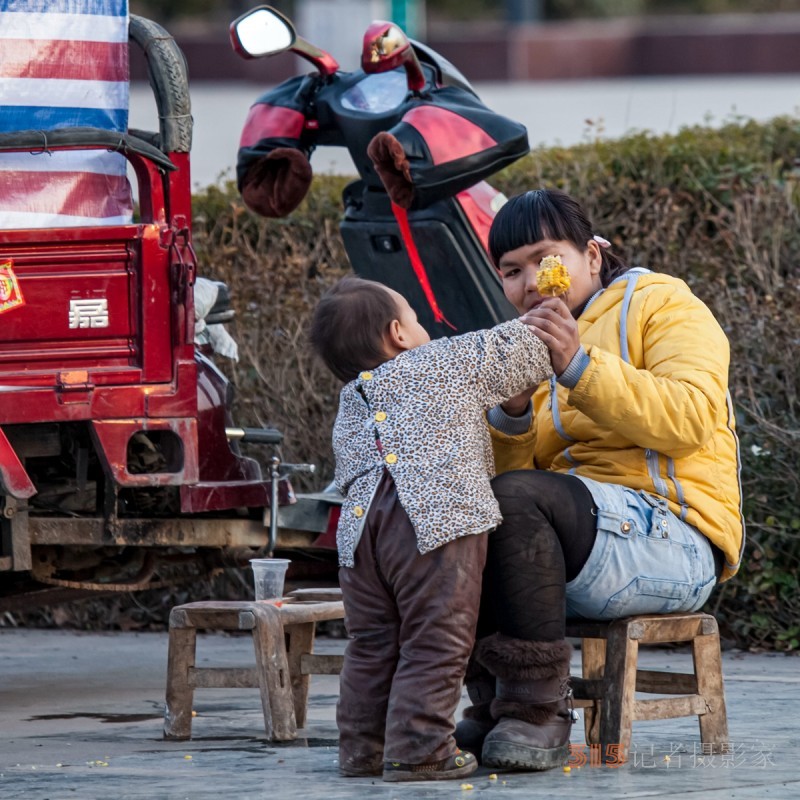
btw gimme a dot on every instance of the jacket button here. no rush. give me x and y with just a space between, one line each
391 458
380 416
625 526
358 511
365 376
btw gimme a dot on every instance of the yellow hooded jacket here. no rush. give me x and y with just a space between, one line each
651 410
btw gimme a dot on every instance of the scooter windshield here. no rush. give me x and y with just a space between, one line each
377 93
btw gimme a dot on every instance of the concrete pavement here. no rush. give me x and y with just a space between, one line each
81 717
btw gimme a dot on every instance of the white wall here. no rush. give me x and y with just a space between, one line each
338 25
554 112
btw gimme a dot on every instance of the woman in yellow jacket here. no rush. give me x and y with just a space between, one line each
618 480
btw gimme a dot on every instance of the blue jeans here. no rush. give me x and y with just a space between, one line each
645 560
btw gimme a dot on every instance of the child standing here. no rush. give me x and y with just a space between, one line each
414 462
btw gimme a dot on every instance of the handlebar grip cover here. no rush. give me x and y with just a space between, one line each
277 183
273 172
442 146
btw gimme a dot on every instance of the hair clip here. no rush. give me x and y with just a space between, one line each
601 241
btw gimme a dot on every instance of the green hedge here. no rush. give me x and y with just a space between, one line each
719 208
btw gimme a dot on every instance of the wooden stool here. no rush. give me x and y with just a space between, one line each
283 638
610 679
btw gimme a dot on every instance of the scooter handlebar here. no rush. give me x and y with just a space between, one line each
254 435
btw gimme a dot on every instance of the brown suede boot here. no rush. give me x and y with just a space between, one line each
533 703
477 719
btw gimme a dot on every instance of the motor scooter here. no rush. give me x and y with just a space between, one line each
418 217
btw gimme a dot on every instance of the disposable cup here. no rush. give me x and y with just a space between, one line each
268 576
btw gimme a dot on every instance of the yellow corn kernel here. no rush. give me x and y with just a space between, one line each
552 277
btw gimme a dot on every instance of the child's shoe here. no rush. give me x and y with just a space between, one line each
458 765
361 768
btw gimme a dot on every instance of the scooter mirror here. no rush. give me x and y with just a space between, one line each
262 32
385 48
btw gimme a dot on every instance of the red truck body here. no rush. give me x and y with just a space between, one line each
116 463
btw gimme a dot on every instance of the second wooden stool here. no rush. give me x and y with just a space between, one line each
283 639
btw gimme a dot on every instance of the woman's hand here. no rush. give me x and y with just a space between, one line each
554 324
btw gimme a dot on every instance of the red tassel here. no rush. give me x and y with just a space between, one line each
401 215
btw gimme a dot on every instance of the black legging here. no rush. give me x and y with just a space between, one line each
548 531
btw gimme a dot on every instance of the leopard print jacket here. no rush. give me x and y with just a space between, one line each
421 415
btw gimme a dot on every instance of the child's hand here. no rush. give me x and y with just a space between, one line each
554 324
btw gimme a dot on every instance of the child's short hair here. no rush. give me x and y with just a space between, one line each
349 324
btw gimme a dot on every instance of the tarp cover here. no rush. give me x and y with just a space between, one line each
63 63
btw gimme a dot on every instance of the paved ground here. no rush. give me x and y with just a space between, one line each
80 716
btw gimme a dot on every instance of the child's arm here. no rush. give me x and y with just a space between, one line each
508 359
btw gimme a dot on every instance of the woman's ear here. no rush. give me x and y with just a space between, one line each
595 257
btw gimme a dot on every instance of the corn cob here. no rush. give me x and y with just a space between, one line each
552 277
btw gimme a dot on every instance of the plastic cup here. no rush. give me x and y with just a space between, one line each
268 576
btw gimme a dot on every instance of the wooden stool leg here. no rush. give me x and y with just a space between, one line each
273 674
708 670
180 658
593 660
301 641
616 718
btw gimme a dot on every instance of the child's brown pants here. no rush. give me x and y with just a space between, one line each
412 618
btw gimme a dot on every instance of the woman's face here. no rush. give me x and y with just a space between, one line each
518 270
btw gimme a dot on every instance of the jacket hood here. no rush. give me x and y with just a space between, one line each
614 293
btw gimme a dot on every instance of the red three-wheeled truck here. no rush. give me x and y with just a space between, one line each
120 466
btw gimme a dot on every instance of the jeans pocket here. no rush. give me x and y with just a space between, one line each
647 596
703 593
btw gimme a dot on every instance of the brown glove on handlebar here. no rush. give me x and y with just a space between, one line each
277 183
391 163
443 146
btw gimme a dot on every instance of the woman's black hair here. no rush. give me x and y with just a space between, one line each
349 324
547 214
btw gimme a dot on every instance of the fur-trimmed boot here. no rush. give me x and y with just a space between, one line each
477 719
533 703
